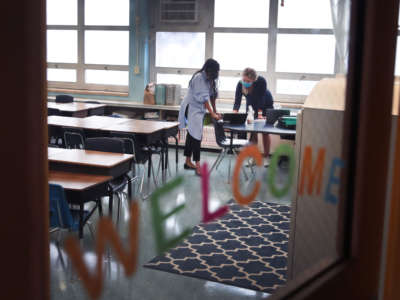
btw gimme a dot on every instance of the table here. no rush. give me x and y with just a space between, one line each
88 123
80 189
147 132
90 162
77 109
260 127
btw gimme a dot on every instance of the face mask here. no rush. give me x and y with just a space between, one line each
247 84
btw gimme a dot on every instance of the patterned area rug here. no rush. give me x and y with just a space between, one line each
246 248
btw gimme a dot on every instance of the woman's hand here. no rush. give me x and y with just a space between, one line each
215 116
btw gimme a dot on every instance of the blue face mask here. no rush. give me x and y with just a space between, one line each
247 84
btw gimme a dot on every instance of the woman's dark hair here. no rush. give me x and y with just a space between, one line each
211 68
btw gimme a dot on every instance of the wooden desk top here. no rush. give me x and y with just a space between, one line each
88 158
111 124
51 151
260 127
76 181
141 126
74 106
93 122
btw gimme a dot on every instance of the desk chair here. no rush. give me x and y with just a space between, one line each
74 138
53 111
90 112
64 99
142 155
53 139
62 217
227 147
117 186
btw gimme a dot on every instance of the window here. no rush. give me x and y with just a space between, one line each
93 55
105 12
290 43
227 83
249 14
61 75
62 12
107 47
295 87
180 49
107 77
62 46
305 53
305 14
183 80
231 50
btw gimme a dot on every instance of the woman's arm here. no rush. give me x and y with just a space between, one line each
213 114
213 100
259 95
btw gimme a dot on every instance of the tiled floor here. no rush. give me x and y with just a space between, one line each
151 284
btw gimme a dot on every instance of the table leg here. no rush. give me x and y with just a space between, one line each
176 153
162 157
231 144
166 154
166 160
149 173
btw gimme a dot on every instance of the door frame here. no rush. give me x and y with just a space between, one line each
367 132
370 77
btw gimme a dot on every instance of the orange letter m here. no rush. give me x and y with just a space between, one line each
313 174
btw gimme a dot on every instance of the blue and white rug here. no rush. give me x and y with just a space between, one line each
246 248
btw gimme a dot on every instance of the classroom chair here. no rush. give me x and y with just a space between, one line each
64 99
62 217
117 186
74 138
142 155
227 148
92 112
53 111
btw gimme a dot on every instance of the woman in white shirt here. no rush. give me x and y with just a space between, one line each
202 91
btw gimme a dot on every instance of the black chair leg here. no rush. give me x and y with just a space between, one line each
110 203
81 207
100 206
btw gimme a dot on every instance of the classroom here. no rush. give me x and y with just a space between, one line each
201 149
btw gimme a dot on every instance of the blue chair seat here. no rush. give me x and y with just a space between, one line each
75 218
61 215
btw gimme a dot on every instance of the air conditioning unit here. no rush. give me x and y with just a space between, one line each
179 11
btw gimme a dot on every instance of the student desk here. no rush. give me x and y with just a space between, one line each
82 171
147 132
80 189
90 162
77 109
88 123
260 127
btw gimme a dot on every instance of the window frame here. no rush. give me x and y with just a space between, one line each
80 66
206 24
